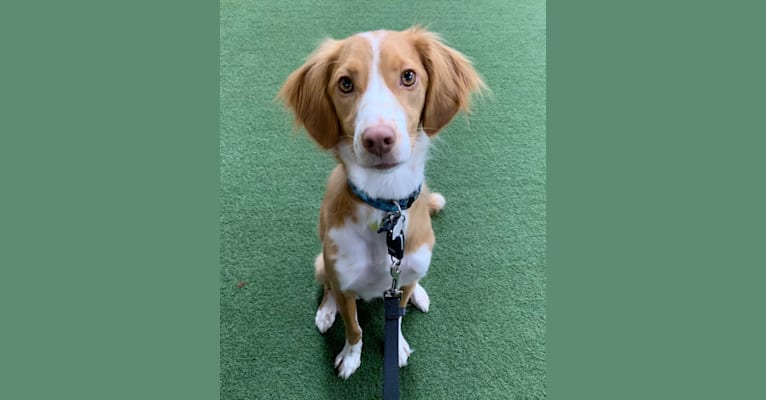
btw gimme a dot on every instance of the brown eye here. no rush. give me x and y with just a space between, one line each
408 78
345 84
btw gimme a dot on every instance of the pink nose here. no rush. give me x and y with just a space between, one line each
378 140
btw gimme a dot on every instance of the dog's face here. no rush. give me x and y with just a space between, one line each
369 95
379 95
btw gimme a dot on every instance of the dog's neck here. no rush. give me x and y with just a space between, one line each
396 183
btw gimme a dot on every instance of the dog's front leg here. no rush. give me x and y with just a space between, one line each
349 359
404 347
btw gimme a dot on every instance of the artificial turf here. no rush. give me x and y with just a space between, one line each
484 337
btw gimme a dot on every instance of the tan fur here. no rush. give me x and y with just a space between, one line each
305 93
353 61
338 203
453 79
399 54
418 230
347 306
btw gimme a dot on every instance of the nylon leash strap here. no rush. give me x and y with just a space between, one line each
391 348
393 225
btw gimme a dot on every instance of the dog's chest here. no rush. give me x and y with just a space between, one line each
362 263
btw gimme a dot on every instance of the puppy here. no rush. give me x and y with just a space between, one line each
374 100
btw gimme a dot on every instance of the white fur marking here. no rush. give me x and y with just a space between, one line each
420 299
404 347
326 313
415 265
362 262
398 182
349 359
378 104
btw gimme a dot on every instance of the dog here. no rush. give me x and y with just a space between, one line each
375 100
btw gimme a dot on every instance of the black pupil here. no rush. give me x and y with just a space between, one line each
345 83
409 76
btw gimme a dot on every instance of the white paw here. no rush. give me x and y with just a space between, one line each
404 350
325 318
420 298
349 359
326 313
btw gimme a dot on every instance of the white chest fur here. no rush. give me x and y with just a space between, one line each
362 263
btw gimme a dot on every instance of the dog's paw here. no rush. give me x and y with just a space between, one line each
325 318
420 298
349 359
326 313
404 350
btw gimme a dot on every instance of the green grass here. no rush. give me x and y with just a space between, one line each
484 337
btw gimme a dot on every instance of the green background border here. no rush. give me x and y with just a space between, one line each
109 163
655 200
109 234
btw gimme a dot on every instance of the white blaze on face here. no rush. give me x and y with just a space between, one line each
378 106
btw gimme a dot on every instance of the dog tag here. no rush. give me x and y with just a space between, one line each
393 225
395 245
395 239
389 222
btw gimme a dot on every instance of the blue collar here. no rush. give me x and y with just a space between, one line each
388 205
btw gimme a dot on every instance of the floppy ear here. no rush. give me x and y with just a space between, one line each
451 81
305 92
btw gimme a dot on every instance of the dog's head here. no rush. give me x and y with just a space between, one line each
371 93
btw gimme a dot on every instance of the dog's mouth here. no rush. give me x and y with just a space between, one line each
386 163
386 166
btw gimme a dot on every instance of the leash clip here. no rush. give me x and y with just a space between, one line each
395 271
393 225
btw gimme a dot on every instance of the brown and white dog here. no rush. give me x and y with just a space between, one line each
375 99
